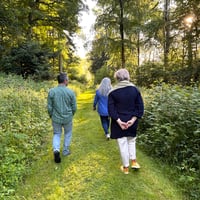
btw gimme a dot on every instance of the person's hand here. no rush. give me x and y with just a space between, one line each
122 124
131 121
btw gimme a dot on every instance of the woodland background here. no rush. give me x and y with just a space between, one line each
158 41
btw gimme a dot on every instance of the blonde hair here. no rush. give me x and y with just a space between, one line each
105 86
122 74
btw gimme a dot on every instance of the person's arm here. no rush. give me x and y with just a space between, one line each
131 121
111 108
74 105
50 104
139 106
96 97
139 109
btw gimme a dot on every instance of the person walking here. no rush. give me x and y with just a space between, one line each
61 104
101 101
125 107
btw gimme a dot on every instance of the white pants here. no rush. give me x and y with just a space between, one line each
127 148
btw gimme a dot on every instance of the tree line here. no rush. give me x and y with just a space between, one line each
36 35
158 41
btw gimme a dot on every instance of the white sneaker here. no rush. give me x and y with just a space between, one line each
108 136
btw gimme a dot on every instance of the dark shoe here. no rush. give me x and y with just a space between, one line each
57 158
66 153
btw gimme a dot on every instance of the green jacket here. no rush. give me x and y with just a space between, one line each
61 104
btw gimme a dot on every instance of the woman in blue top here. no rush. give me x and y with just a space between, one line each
101 101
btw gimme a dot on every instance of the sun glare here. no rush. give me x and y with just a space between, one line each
189 20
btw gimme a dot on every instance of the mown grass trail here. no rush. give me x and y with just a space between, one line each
92 170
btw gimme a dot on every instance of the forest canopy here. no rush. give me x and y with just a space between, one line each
158 41
36 35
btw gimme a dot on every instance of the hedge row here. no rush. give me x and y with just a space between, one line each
23 121
170 131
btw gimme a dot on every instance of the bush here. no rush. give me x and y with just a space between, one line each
150 73
170 130
23 121
102 73
153 73
28 59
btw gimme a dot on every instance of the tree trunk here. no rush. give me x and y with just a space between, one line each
138 48
166 32
190 57
60 62
122 32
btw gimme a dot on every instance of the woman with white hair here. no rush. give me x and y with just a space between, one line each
101 101
125 107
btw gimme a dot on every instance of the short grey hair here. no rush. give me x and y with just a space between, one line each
122 75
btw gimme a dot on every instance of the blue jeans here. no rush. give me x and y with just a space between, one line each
105 122
57 132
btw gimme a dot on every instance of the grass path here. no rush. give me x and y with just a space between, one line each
92 170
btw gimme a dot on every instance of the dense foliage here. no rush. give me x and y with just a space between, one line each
49 23
28 59
170 131
22 129
152 73
146 36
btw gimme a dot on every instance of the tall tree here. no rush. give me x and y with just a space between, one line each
187 23
121 27
41 20
150 31
166 31
123 23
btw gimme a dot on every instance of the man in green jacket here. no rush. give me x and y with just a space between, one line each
62 106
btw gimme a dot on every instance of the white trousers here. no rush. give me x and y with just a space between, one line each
127 148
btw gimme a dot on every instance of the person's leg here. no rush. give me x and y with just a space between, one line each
108 123
105 124
57 131
67 138
123 148
132 152
132 147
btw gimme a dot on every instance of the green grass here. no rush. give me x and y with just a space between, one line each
92 170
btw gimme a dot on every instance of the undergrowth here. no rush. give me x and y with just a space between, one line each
170 130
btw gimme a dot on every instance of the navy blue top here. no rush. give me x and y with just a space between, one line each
124 103
102 103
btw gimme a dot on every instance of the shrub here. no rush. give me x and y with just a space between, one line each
170 130
28 59
23 121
